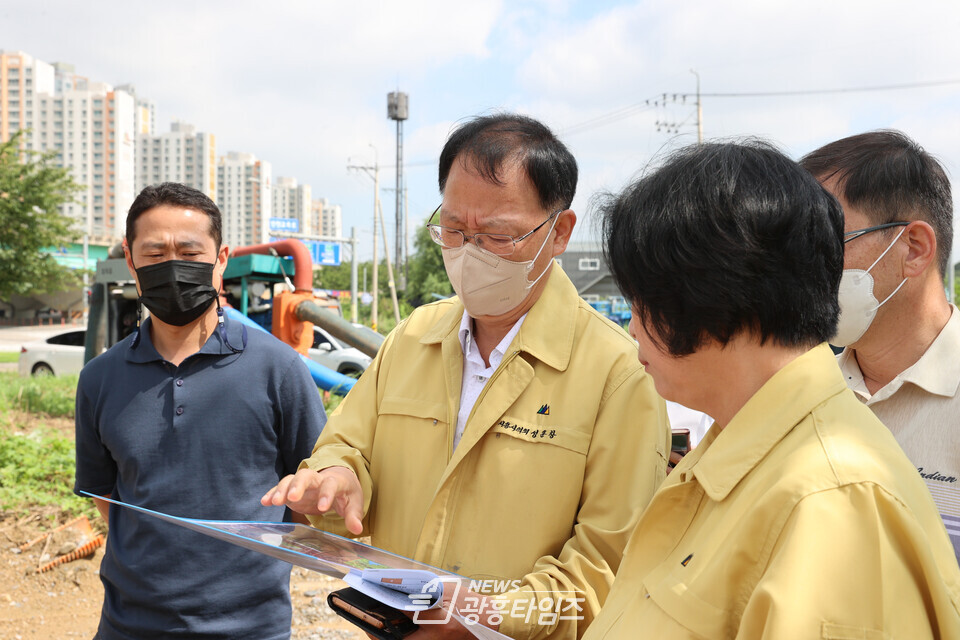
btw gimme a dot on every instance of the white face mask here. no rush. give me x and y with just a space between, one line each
858 305
487 284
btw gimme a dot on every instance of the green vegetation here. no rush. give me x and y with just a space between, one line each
9 356
37 460
48 395
36 445
36 470
32 189
428 278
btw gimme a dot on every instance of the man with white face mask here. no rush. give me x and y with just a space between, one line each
509 434
901 335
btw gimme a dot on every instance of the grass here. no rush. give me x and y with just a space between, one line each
36 470
9 356
48 395
36 460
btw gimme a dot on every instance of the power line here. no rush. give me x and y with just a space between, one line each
813 92
663 98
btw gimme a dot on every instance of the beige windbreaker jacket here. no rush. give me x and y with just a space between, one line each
564 448
802 519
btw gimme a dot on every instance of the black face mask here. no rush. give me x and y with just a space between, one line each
177 291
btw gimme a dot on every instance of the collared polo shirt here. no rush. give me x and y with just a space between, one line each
204 439
802 518
921 407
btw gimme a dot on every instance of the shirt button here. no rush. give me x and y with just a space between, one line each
179 411
180 383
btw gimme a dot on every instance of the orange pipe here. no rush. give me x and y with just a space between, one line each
303 266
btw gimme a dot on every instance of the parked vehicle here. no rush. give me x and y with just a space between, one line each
329 352
57 355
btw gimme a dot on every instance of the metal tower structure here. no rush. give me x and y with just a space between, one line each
398 110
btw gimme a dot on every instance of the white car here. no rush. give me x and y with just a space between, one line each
332 354
57 355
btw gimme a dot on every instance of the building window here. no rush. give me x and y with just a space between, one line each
589 264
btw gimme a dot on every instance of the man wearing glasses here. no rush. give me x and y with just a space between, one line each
901 335
509 434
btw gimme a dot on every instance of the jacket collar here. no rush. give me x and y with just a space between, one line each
547 332
767 417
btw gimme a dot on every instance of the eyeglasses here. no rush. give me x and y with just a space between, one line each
499 244
853 235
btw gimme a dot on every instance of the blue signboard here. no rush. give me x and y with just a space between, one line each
291 225
324 253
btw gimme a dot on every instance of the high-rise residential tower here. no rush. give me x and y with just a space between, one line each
244 186
292 200
326 219
90 126
181 155
22 79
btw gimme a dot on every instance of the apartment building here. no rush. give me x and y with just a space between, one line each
91 127
22 79
326 219
292 200
181 155
244 195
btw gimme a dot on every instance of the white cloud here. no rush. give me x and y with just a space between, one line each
302 84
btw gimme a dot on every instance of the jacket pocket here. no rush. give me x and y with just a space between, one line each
414 408
676 599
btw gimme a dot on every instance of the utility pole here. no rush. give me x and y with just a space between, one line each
403 271
699 110
391 283
354 301
398 110
374 173
406 237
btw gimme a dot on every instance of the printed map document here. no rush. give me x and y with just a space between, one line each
397 581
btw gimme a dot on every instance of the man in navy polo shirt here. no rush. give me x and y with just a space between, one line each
195 417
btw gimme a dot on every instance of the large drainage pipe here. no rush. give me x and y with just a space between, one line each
340 328
325 378
303 267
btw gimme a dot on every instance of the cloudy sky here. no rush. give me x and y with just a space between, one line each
303 84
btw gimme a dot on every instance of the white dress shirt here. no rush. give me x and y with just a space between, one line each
475 372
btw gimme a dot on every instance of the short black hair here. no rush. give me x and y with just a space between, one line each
490 141
890 178
174 193
726 238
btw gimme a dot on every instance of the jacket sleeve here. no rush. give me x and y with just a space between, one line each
347 439
852 562
625 464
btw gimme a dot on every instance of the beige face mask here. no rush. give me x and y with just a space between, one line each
487 284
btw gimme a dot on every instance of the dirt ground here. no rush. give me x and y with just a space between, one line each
65 601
